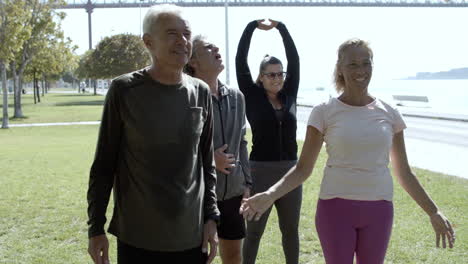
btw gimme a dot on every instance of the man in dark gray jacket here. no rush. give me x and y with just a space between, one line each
155 151
232 167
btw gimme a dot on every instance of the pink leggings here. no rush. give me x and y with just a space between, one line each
346 227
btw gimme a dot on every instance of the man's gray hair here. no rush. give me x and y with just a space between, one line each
188 69
154 14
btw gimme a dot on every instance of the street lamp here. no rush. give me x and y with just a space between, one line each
226 22
140 16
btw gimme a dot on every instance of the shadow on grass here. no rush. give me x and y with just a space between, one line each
75 95
79 103
18 118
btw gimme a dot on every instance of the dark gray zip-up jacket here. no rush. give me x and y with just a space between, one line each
229 128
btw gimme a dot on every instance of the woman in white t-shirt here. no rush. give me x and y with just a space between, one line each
355 210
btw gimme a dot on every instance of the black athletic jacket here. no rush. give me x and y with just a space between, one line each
272 140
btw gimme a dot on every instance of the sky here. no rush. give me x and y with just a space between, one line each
404 40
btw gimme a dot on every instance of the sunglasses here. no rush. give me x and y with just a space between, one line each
273 75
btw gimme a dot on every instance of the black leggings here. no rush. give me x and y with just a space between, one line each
127 254
288 207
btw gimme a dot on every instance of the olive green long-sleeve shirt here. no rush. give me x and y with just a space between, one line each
155 150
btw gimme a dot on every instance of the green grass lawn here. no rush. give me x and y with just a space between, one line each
58 108
44 177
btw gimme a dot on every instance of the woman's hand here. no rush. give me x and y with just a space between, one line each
264 26
255 206
443 228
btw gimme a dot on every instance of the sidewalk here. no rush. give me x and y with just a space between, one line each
442 157
56 124
415 112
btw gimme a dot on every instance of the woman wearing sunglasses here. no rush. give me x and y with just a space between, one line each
271 112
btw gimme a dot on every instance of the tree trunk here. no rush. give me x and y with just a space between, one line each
5 95
43 85
34 86
18 87
15 83
18 108
15 89
38 92
14 78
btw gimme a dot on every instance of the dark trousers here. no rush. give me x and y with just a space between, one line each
127 254
288 207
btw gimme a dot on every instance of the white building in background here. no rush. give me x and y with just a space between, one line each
103 84
10 86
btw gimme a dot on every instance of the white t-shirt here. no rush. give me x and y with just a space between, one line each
358 141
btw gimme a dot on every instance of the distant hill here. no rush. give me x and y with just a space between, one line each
461 73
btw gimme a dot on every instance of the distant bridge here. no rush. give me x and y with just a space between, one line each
90 5
220 3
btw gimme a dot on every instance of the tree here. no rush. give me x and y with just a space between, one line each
69 77
85 69
13 33
119 54
44 23
50 62
112 57
69 73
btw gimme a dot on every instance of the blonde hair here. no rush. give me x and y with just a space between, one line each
337 76
155 13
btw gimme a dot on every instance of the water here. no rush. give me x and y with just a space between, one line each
444 96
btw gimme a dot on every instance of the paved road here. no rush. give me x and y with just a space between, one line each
433 144
441 131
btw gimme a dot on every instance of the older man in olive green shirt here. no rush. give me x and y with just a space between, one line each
155 151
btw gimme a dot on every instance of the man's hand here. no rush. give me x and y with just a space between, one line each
224 161
246 194
98 249
210 236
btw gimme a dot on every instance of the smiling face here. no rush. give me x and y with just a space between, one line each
170 42
356 68
206 58
272 78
